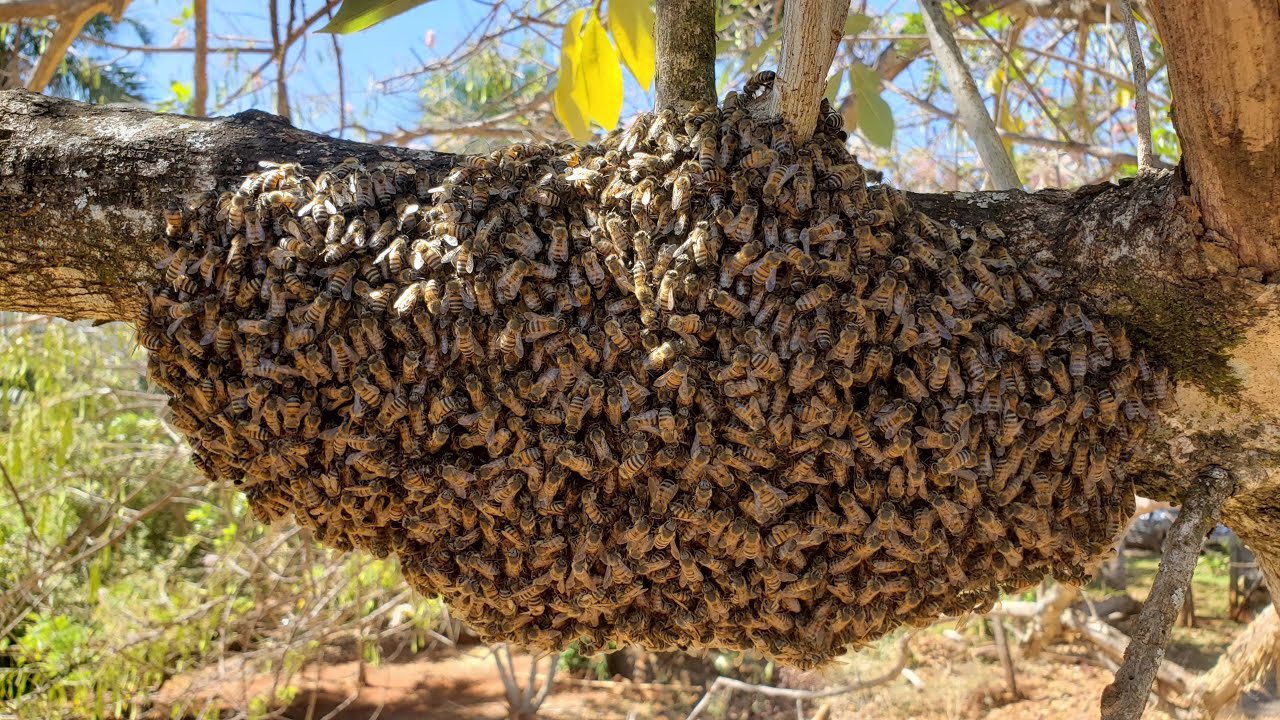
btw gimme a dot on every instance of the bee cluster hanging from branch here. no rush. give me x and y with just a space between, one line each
699 385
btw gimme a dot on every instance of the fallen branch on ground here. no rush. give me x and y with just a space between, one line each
794 694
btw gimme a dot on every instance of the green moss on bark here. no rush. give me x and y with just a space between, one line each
1189 329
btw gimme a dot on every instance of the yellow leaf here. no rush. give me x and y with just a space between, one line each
570 98
631 22
600 73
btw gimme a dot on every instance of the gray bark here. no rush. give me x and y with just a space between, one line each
82 188
1126 697
686 53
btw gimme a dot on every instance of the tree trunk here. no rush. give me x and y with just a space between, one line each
686 53
1230 128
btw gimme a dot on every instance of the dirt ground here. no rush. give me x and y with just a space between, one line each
954 674
953 680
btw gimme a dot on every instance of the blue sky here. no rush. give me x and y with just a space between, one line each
432 31
378 52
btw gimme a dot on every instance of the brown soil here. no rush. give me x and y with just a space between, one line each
958 680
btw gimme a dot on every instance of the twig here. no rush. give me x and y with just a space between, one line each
1126 697
973 113
342 83
200 98
149 49
1074 148
1002 649
1026 81
17 498
1142 105
791 693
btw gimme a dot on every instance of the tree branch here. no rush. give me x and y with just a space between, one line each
70 21
727 683
973 113
82 188
1142 106
90 182
686 53
811 31
1126 697
200 98
1224 66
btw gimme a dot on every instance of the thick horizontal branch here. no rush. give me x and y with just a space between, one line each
82 189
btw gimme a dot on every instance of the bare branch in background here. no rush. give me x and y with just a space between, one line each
1142 106
811 31
280 52
70 18
1126 697
973 113
1101 152
342 83
1006 660
150 49
200 99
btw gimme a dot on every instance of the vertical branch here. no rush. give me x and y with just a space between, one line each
811 31
278 51
1126 697
969 107
1002 649
686 53
1142 105
200 99
342 84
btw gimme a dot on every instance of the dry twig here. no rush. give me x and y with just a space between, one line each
776 692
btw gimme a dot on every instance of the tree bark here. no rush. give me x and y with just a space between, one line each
1224 66
686 53
1126 697
82 188
811 31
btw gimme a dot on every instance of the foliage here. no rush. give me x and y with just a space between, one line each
355 15
589 81
120 568
77 76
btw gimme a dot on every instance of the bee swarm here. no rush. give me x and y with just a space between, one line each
697 386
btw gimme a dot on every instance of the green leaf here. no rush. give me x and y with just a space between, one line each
855 24
631 23
181 91
570 99
875 118
357 15
601 74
